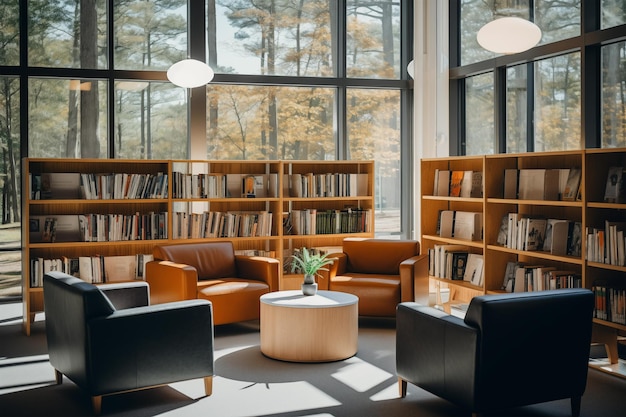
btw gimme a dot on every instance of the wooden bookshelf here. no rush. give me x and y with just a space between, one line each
272 200
589 210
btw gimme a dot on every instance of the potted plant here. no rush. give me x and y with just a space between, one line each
310 264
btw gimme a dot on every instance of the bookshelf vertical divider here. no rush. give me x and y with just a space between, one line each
271 198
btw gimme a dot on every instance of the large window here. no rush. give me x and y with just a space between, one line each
548 98
318 79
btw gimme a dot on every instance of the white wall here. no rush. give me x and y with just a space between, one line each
430 118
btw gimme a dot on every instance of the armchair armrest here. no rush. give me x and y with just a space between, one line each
127 294
414 279
338 267
437 352
259 268
151 345
170 281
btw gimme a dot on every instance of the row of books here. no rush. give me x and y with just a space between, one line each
458 183
557 236
315 222
219 185
327 185
101 186
542 184
456 262
460 224
610 303
98 227
213 224
93 269
520 277
606 245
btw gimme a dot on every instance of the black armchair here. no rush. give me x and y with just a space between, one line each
105 350
510 350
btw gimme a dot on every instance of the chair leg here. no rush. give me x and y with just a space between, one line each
402 384
575 401
96 404
58 377
208 385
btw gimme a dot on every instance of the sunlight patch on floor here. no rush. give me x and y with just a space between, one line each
261 399
361 376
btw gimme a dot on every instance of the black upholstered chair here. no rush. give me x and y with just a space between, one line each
510 350
107 339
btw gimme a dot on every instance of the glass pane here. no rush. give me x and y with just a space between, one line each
10 33
516 109
150 120
256 123
149 34
373 40
10 198
614 95
479 115
557 103
373 124
474 15
281 37
558 19
613 13
61 35
67 118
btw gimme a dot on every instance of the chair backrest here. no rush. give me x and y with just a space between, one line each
212 260
378 256
69 303
533 344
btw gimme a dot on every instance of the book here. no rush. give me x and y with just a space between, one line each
509 276
60 185
572 186
503 231
442 183
455 183
510 183
458 264
539 184
120 268
467 225
557 231
535 234
574 239
474 269
446 223
615 189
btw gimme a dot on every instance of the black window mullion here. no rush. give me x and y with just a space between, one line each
499 79
530 107
342 148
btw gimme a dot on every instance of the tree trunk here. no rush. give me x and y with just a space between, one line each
89 142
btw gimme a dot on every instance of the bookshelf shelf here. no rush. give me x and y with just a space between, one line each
589 210
273 197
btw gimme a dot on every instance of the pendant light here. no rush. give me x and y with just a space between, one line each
190 73
509 35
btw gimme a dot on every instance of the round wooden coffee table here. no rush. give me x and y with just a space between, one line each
315 328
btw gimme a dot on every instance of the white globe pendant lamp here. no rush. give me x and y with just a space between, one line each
190 73
411 69
509 35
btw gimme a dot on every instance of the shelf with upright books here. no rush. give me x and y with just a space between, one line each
571 237
109 211
324 202
443 202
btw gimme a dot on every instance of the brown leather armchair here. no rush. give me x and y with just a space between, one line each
212 271
382 273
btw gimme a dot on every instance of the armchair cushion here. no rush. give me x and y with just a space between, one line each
511 349
211 261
